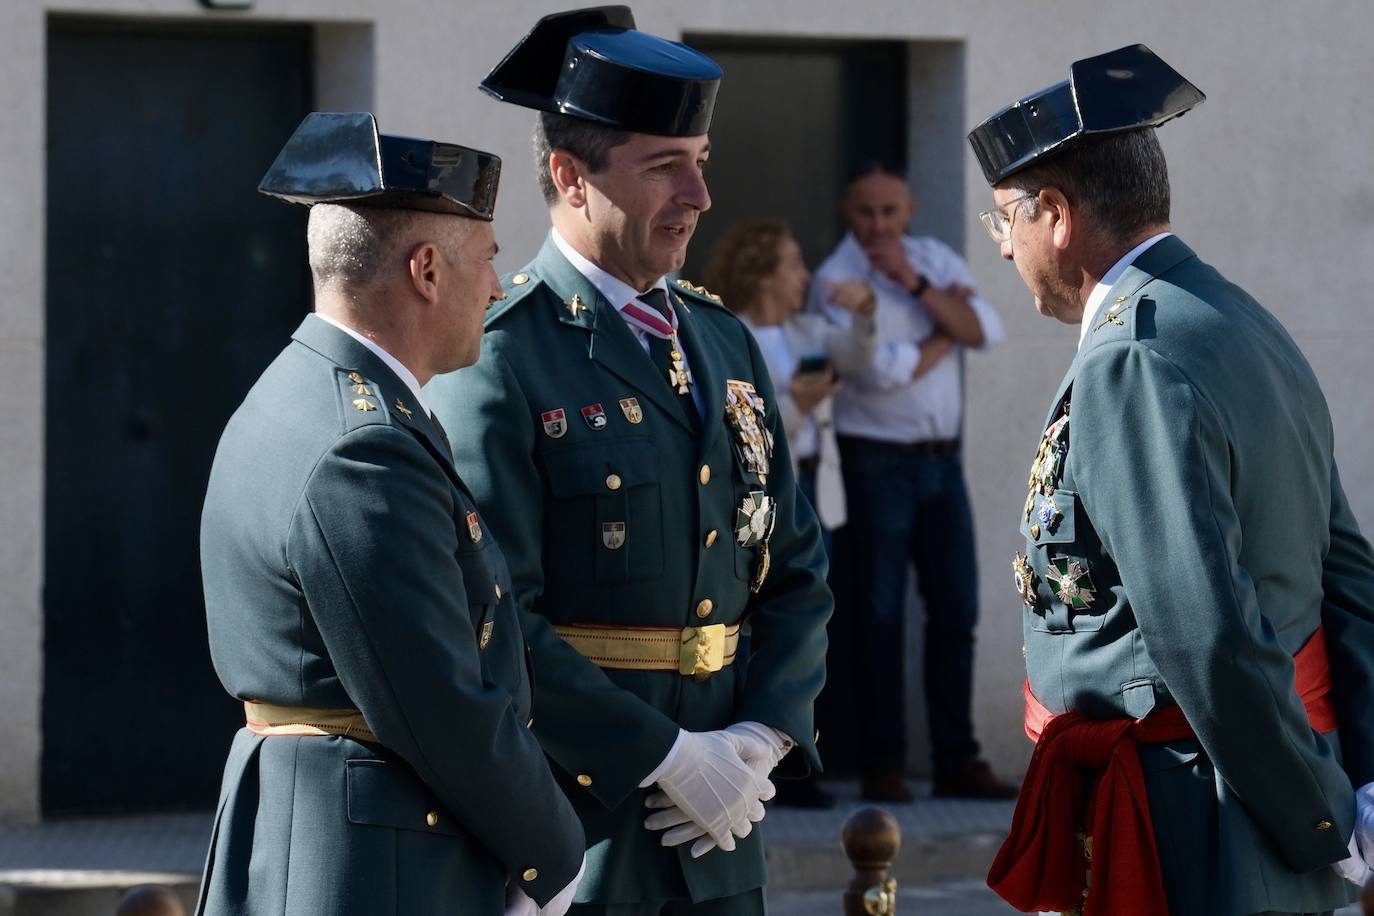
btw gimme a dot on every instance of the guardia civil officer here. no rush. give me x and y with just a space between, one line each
625 444
1199 601
357 602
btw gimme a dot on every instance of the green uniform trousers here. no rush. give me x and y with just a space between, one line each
749 903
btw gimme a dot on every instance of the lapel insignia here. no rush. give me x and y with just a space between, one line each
364 405
555 423
485 639
754 524
744 409
595 416
575 305
1025 580
474 527
1072 584
403 408
613 535
1113 315
356 378
631 409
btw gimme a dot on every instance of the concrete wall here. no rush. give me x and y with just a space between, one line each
1273 179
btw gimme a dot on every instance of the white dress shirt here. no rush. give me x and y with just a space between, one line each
1104 285
392 362
620 294
882 402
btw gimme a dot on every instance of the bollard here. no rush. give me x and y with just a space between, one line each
871 839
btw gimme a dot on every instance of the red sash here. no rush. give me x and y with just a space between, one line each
1085 775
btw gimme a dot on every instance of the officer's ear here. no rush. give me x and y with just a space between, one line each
567 171
1062 220
423 266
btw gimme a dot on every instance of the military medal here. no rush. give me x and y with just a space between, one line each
1072 584
555 423
631 409
485 639
679 375
613 535
474 529
754 523
1049 514
744 410
1025 580
595 416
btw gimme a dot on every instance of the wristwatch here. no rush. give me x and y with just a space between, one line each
922 284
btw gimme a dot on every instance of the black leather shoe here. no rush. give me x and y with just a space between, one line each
971 779
886 786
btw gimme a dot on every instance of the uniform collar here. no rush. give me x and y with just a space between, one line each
1108 280
616 291
391 362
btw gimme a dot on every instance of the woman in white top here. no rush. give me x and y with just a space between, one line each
758 271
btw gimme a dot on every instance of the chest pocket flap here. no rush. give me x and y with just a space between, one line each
601 467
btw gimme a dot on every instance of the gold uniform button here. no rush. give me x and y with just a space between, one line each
613 482
711 537
530 874
520 279
1035 531
432 818
583 780
705 475
705 607
1324 825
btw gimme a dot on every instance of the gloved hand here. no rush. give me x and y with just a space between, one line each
1364 823
764 747
684 829
705 777
518 903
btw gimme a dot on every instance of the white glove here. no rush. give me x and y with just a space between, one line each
763 748
705 776
1363 840
518 903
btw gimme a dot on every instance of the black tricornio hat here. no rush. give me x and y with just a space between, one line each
338 157
594 64
1121 90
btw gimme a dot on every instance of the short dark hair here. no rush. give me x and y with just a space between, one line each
1120 179
587 140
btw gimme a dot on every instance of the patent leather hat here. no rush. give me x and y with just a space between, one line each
1124 89
339 157
595 65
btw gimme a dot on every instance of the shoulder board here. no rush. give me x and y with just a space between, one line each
360 400
697 293
1114 321
517 286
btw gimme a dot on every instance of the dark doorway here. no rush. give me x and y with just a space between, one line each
170 285
792 120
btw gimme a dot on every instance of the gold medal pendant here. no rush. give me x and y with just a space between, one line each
679 375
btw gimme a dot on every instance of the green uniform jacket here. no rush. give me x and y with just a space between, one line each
342 570
550 502
1197 494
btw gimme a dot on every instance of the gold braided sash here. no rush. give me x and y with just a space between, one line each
699 651
266 719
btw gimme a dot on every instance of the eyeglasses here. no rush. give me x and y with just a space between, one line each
998 223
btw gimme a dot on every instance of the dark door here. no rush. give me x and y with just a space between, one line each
792 121
170 285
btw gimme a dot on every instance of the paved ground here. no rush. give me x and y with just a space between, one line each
79 867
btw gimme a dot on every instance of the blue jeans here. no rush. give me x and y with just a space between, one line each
907 506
